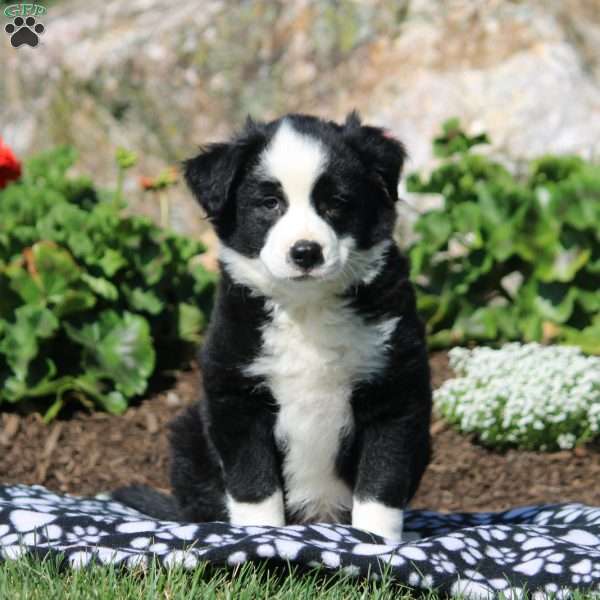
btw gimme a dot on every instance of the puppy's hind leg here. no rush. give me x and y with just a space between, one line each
196 475
196 479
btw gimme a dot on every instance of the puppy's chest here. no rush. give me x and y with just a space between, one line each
310 359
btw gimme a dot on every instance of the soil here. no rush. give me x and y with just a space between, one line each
89 453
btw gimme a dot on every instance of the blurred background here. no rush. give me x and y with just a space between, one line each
162 78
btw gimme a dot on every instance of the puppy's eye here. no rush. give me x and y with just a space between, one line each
337 206
340 200
269 203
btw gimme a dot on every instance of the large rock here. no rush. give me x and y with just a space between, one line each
162 77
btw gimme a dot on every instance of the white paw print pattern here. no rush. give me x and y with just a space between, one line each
441 563
585 571
502 555
89 535
547 550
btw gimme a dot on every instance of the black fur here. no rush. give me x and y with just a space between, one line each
226 442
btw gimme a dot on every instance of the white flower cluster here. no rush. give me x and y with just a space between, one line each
527 395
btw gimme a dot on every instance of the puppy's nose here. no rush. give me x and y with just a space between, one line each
306 254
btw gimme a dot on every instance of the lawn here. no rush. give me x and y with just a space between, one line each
33 580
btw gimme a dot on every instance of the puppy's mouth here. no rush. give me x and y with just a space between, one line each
324 273
304 277
316 276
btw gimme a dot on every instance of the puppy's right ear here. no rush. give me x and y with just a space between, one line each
213 173
210 176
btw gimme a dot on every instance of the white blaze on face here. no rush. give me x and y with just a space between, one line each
296 161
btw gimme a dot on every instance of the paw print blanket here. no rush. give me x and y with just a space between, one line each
546 549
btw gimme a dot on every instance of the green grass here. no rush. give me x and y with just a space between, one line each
28 579
35 580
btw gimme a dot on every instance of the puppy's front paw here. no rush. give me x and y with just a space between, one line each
374 517
268 512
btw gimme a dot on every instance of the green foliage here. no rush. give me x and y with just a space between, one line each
453 140
506 257
91 301
125 158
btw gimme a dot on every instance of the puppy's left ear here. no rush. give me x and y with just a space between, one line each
380 152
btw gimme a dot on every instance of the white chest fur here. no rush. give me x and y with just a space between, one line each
311 357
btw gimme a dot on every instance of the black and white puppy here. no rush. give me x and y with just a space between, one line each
316 378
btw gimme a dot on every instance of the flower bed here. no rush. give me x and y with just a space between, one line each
531 396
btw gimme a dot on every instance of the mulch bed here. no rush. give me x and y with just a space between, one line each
90 453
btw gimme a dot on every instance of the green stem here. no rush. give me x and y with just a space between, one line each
119 191
165 216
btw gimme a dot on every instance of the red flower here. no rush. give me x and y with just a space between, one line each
146 183
10 167
163 180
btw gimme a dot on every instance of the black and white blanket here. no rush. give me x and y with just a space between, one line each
547 549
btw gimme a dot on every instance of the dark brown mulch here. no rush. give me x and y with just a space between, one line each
93 452
89 453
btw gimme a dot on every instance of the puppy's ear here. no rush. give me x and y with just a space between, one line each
381 153
212 174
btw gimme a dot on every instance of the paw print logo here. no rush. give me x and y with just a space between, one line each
24 31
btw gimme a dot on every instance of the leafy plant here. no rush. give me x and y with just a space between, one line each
508 258
92 302
531 396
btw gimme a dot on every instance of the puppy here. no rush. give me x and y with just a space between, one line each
317 390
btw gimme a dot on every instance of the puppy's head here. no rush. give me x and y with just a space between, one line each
300 201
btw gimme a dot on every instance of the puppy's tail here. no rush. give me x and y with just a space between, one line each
149 501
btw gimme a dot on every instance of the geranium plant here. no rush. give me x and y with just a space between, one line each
92 302
508 257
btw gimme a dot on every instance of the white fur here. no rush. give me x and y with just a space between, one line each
269 512
377 518
296 160
312 355
361 266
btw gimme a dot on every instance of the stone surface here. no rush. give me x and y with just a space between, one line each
162 77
